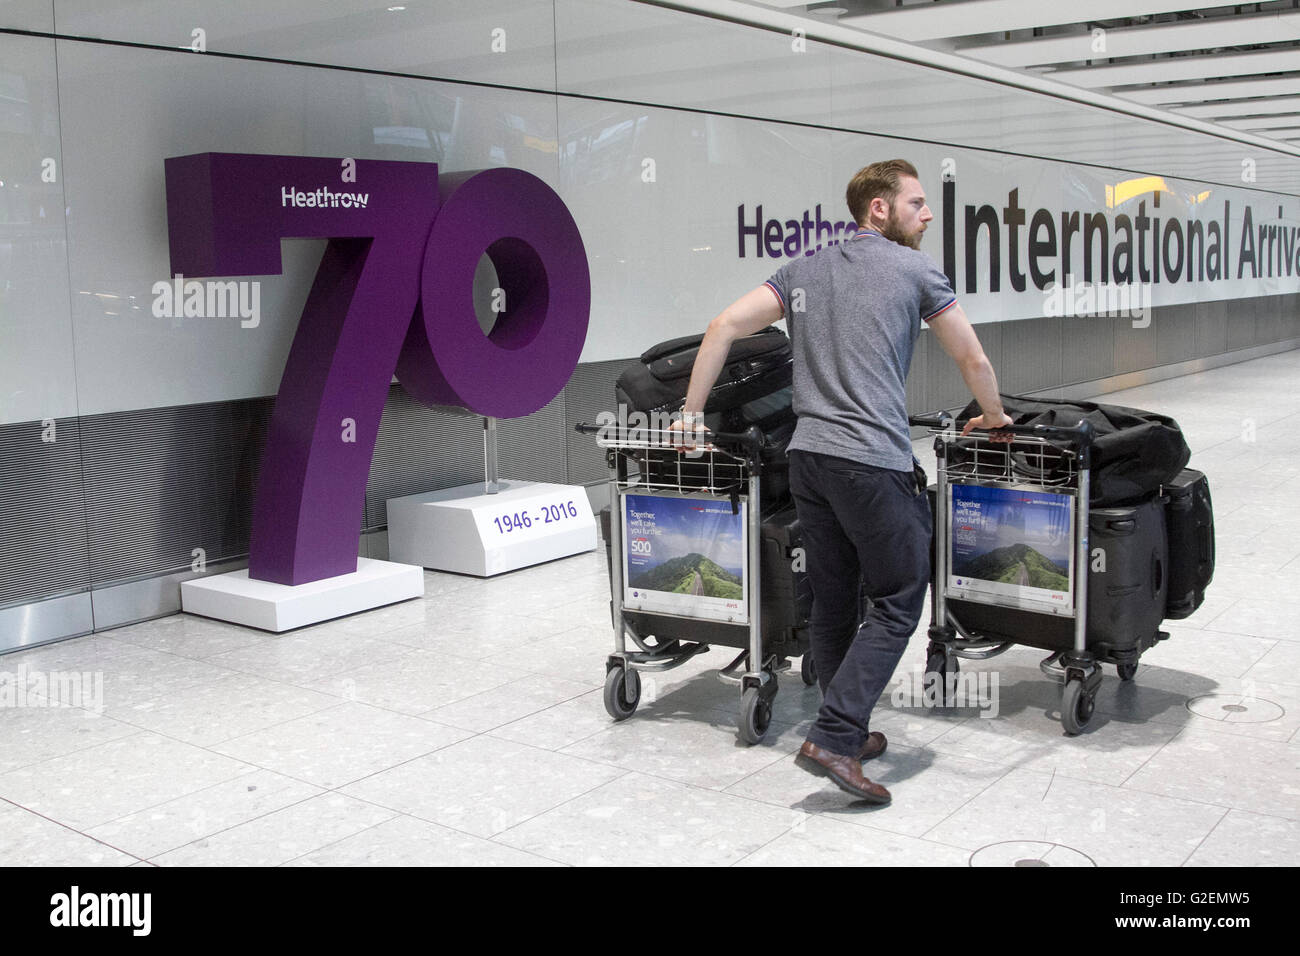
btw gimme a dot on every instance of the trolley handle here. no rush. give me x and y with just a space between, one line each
1080 436
940 419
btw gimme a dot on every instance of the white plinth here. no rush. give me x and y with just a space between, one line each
236 598
470 532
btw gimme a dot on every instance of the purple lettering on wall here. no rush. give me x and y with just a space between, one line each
392 294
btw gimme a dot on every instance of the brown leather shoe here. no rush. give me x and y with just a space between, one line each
873 746
845 771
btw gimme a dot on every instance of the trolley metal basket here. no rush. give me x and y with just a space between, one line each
726 469
1037 470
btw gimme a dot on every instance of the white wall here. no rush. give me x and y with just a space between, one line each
729 115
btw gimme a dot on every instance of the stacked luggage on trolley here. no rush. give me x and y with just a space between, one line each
1079 536
742 471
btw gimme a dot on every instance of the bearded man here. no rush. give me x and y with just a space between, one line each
854 311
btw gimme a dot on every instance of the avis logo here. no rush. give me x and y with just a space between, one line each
393 295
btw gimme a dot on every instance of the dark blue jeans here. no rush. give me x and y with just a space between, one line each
863 527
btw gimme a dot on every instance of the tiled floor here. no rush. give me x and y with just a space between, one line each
468 728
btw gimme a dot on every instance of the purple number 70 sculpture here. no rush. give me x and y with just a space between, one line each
393 294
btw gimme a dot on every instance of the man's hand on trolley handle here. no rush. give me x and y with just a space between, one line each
688 432
990 422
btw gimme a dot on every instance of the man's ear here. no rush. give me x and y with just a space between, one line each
878 209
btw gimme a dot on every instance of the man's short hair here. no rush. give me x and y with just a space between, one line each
883 180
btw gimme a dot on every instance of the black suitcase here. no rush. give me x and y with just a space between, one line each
787 590
757 365
775 420
1128 579
1134 451
1128 584
1189 515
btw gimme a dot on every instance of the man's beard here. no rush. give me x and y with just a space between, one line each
893 230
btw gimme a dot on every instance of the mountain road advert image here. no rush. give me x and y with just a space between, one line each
1012 547
685 556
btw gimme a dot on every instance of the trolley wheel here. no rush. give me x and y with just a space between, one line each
1076 707
1127 671
622 692
938 666
755 716
808 670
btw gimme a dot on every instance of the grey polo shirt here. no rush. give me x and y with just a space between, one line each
854 311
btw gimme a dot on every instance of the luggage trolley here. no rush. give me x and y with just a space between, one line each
987 596
727 470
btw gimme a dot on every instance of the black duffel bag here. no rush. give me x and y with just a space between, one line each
757 365
1134 451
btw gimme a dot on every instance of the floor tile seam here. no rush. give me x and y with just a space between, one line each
72 829
337 788
252 768
531 676
458 658
418 714
766 766
205 685
304 636
341 702
541 611
922 838
716 791
213 743
1263 637
1192 720
562 752
788 830
46 705
448 826
172 799
198 660
366 829
446 611
411 816
452 634
783 725
647 772
216 680
1208 834
1131 787
961 723
1066 773
500 598
501 658
155 650
924 835
1230 738
493 732
897 748
216 753
312 682
284 680
229 673
90 746
254 819
577 796
512 719
212 786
